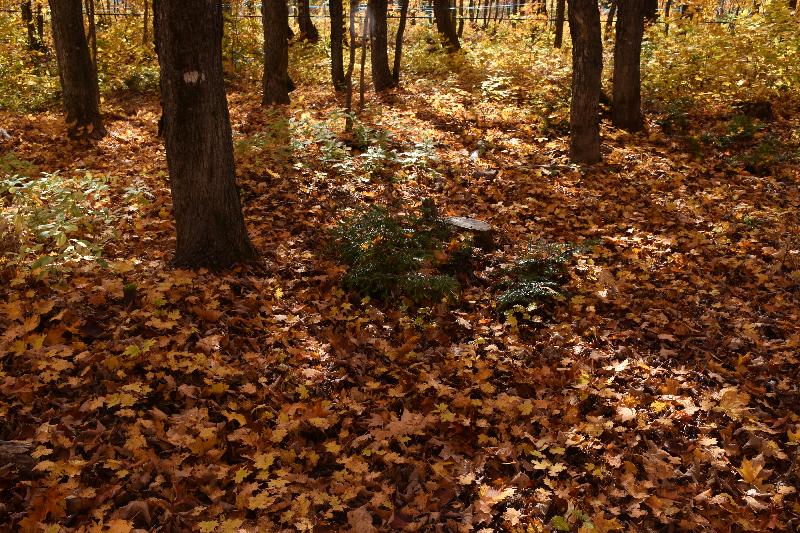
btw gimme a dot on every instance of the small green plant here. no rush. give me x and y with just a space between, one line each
57 219
391 255
537 276
676 116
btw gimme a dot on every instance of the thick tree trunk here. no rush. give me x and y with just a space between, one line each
379 56
197 134
308 32
337 42
626 110
587 68
274 16
444 24
398 41
75 68
667 9
792 4
612 10
561 7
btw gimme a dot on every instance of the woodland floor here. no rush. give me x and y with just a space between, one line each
660 394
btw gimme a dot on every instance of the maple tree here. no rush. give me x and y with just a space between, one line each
439 321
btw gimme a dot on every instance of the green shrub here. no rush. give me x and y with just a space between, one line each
391 255
57 219
537 276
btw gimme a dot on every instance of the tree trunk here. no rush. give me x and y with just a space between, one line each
612 10
444 24
587 68
146 27
337 42
348 101
308 32
361 73
461 17
561 7
274 16
197 134
76 71
398 41
667 8
626 110
379 56
792 4
30 25
650 10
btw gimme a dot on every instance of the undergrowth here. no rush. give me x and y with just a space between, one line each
400 255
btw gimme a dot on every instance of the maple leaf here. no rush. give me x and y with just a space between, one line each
360 520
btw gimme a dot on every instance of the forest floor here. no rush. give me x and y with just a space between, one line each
660 391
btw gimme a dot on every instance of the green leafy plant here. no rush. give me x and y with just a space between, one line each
57 219
537 276
390 255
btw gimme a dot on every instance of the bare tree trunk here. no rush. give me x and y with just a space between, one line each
76 70
350 65
587 68
308 32
561 6
361 84
398 41
92 36
30 26
612 10
667 8
197 134
379 56
337 42
146 27
274 16
626 110
444 24
460 31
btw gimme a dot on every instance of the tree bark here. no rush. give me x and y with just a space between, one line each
379 56
444 24
461 18
308 32
561 7
30 25
626 110
398 41
197 134
667 8
76 70
146 27
361 73
350 65
274 16
337 42
587 68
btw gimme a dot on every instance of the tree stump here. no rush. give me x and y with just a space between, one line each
482 231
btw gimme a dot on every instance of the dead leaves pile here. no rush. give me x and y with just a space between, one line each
663 390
